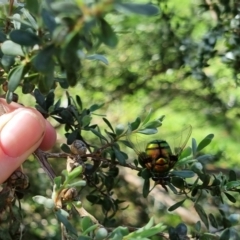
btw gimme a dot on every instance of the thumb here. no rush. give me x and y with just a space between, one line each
21 132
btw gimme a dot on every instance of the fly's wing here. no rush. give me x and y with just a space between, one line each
138 142
180 140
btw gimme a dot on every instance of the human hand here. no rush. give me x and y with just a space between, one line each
22 131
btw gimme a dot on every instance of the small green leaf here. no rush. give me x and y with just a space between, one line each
120 129
98 134
73 174
232 184
134 125
178 182
198 226
121 156
11 48
48 20
194 147
86 120
137 8
33 6
98 57
225 234
24 37
230 197
213 220
147 131
95 107
202 214
79 101
153 124
184 173
62 217
43 62
146 186
108 36
205 142
109 124
85 223
15 77
176 205
232 176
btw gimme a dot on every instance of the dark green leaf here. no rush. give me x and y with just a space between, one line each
206 141
15 77
98 57
137 8
43 62
198 226
225 234
61 216
178 182
11 48
40 99
134 125
184 173
95 107
2 37
27 87
109 124
230 197
176 205
202 214
232 176
79 101
121 156
213 220
93 199
33 6
146 186
98 134
65 148
9 97
24 38
108 36
48 20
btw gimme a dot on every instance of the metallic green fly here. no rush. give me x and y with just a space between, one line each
160 156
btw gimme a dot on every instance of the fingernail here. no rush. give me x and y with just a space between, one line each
21 133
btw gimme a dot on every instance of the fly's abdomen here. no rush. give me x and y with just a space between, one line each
158 154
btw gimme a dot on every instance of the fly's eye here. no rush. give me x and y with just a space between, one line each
78 147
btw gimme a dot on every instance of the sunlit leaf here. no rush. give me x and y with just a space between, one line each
205 142
11 48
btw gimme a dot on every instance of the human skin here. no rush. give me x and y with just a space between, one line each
22 131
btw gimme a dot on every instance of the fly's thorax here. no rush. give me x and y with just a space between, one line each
158 149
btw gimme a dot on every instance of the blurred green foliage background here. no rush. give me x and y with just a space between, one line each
183 63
